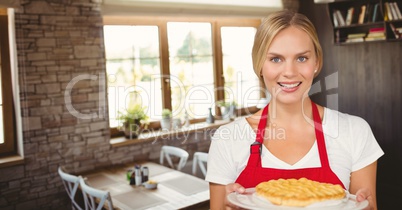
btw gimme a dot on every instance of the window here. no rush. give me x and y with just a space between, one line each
7 135
191 68
241 85
133 68
185 65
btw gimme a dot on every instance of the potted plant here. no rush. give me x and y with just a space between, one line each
224 108
166 120
134 120
227 109
233 110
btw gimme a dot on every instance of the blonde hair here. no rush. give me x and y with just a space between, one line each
271 26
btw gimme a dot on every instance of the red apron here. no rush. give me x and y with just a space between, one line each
254 173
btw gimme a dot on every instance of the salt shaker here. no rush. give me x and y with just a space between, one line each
138 176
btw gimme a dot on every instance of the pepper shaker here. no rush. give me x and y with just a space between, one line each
145 174
132 178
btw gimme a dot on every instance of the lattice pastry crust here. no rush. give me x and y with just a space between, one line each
298 192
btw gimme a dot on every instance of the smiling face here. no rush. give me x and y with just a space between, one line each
288 70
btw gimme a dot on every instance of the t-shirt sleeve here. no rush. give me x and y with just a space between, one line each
220 167
366 148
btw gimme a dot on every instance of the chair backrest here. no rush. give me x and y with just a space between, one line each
71 184
167 151
200 158
95 199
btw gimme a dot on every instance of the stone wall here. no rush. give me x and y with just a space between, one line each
61 52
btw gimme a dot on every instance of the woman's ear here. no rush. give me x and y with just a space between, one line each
317 64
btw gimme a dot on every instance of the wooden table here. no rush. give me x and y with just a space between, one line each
176 190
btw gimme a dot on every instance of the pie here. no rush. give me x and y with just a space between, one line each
298 192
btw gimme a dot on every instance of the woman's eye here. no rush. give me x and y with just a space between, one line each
302 59
276 60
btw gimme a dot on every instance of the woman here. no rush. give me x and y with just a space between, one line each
282 140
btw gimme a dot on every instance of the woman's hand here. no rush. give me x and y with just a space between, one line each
363 185
230 188
235 187
219 193
365 194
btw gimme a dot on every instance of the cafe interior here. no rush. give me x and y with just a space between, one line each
119 99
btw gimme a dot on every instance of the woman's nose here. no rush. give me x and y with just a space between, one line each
290 69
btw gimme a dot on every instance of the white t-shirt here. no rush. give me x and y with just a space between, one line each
349 140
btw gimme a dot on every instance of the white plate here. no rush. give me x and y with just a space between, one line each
252 201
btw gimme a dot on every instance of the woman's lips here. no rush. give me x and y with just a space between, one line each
289 86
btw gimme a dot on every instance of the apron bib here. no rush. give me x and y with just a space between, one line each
254 173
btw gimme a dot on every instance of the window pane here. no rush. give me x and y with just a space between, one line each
191 68
133 69
241 84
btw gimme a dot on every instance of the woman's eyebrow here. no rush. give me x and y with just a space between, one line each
278 54
274 54
305 52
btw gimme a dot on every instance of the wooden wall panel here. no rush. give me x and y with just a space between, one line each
370 86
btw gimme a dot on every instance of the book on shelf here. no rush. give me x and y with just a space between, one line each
394 30
385 14
376 34
356 35
367 14
377 29
339 17
337 36
374 38
397 11
358 39
336 24
349 16
375 13
393 11
362 14
388 12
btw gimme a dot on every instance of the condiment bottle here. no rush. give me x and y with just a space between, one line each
145 174
138 176
132 178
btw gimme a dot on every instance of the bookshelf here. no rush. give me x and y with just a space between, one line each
356 21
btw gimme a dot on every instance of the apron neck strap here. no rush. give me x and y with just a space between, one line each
262 125
319 135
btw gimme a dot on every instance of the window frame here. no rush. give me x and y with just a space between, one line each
216 25
9 145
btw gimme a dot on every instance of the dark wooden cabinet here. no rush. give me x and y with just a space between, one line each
356 21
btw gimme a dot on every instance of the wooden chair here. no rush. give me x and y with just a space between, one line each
71 184
167 151
95 199
200 159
